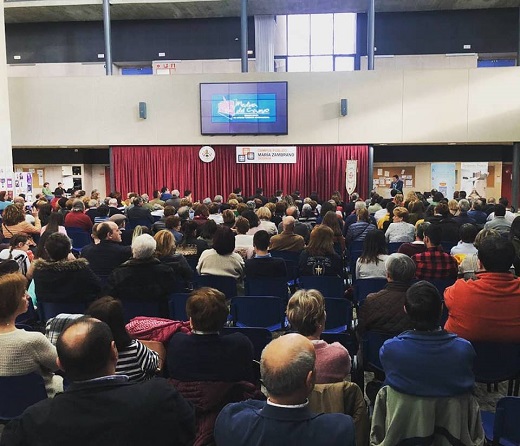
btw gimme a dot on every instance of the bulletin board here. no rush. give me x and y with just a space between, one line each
38 176
382 176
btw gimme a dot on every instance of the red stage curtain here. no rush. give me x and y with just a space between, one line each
318 168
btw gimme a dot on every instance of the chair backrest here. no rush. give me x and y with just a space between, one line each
364 287
286 255
20 392
393 247
79 237
447 245
372 342
339 314
442 284
177 306
228 285
29 316
133 309
327 285
134 222
507 416
496 361
273 286
51 309
259 337
258 311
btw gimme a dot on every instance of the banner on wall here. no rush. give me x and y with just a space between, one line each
266 155
473 178
351 176
443 178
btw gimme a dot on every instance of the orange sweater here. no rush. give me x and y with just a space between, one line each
485 309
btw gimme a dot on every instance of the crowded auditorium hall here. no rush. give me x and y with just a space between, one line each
260 223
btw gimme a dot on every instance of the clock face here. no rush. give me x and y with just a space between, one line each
206 154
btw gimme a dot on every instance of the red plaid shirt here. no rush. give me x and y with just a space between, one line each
434 263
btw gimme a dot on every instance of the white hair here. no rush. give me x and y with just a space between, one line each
143 246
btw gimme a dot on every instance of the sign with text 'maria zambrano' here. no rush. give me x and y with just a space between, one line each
266 155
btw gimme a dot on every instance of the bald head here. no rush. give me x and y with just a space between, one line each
86 350
288 223
286 366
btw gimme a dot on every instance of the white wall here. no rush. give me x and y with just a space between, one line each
422 62
436 106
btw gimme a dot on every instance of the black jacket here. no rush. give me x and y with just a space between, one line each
65 281
105 256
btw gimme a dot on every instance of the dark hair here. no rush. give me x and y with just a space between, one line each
103 210
462 194
332 221
189 229
224 240
110 310
254 221
500 210
261 240
207 308
202 209
321 241
503 201
15 240
280 208
208 229
172 222
443 209
88 357
496 254
423 305
434 233
242 225
468 232
515 229
44 213
103 230
54 222
57 246
187 192
326 207
373 246
437 197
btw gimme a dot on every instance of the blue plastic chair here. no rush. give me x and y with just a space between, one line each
133 309
50 309
372 342
258 311
177 306
446 246
259 337
228 285
20 392
497 362
291 259
339 315
442 284
79 237
272 286
134 222
364 287
503 427
329 286
394 247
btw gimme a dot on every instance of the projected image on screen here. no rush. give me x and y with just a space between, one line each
244 108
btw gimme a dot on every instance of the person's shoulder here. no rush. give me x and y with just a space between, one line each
236 339
240 409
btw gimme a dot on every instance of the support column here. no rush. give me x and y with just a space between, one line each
108 37
371 18
516 175
518 46
112 170
243 36
370 170
6 150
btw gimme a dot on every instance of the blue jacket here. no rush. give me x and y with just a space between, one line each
435 364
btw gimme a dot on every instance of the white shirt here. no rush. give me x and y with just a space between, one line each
463 248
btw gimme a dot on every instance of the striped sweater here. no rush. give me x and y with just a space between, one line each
138 362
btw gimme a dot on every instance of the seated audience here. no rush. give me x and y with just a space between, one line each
468 232
77 218
99 407
514 236
332 220
416 209
61 279
477 213
19 252
228 216
207 232
509 216
134 359
13 222
470 265
487 309
173 224
371 263
358 231
443 218
384 311
287 240
462 217
165 252
23 352
306 315
499 222
319 257
221 260
190 245
206 354
109 253
243 240
434 263
262 264
54 224
417 245
264 215
160 224
399 230
288 374
139 212
143 277
427 361
385 220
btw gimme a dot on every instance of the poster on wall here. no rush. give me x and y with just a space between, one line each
443 178
473 178
351 176
266 155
